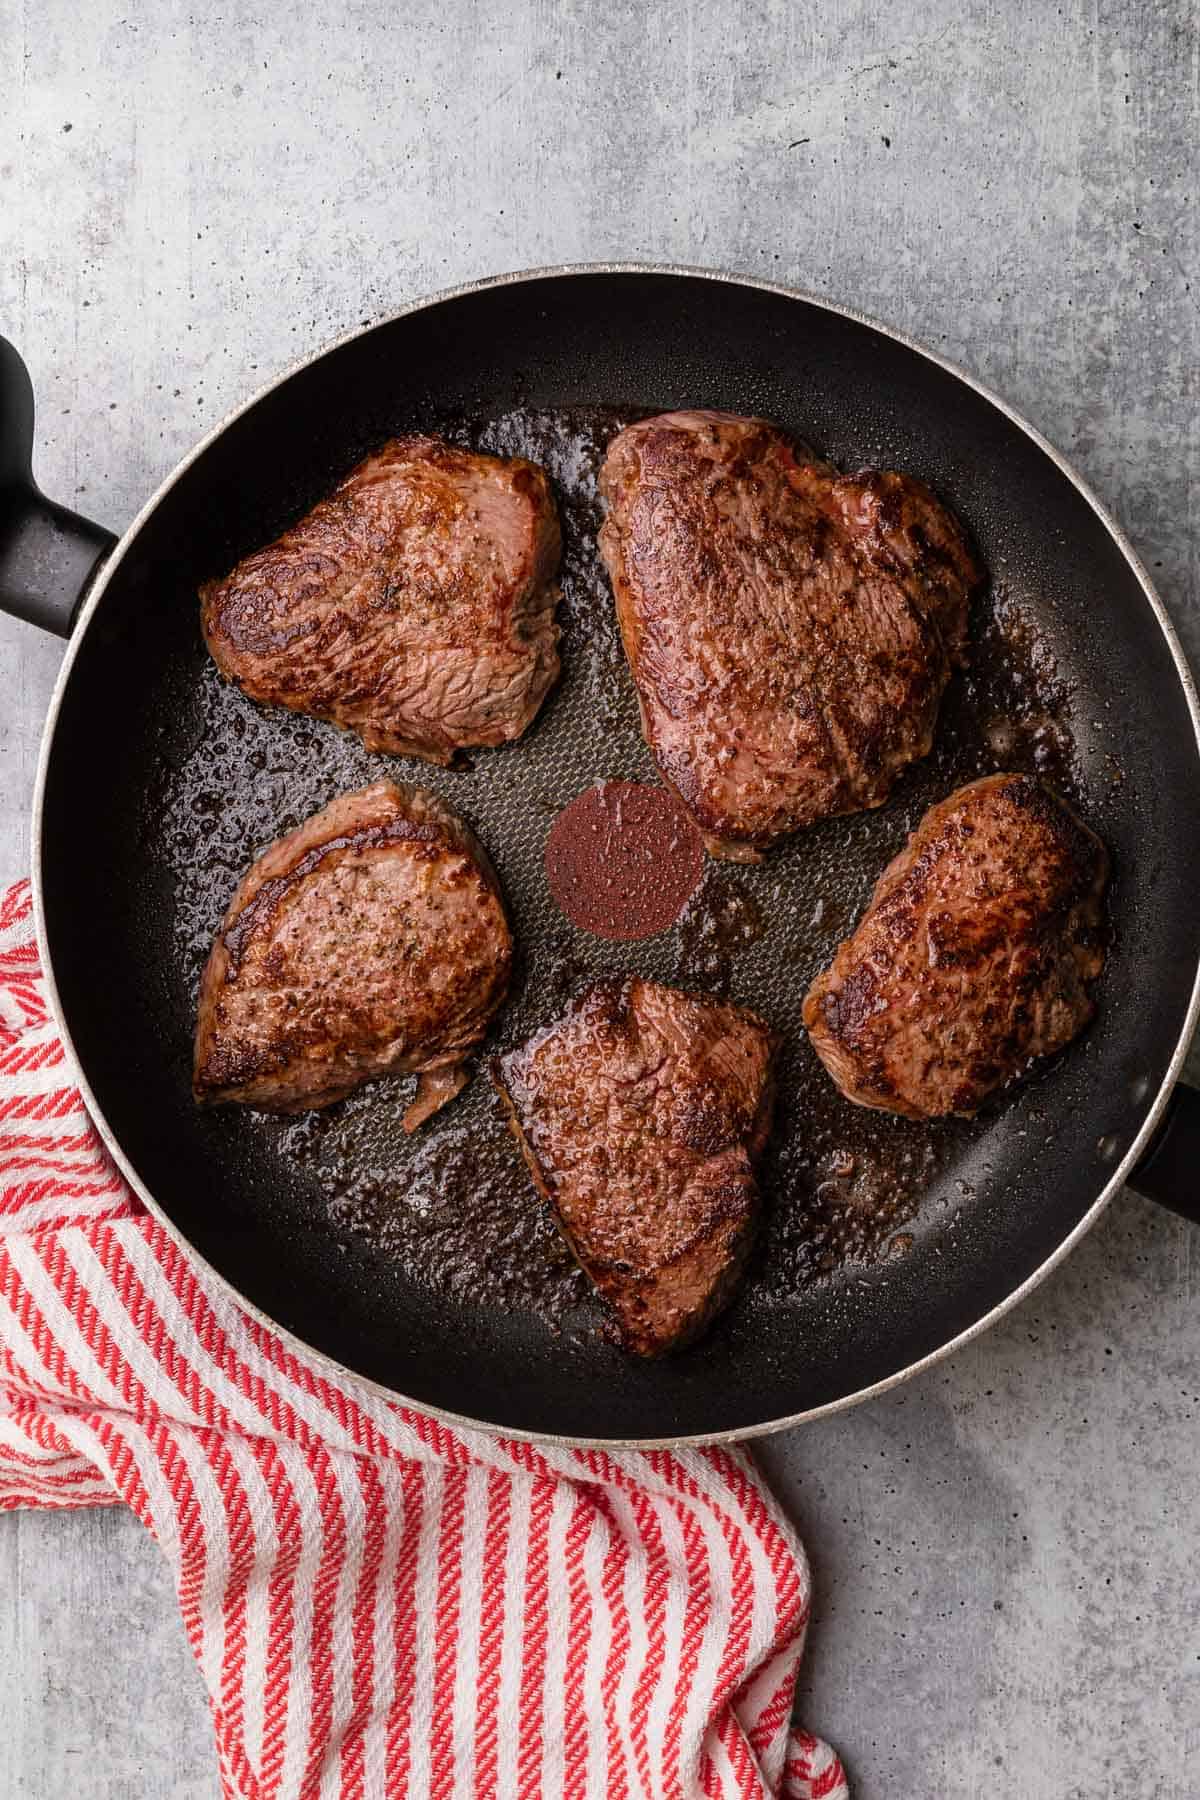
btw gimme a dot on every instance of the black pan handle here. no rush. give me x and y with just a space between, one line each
1170 1170
48 555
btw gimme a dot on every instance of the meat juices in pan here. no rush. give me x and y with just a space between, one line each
451 1205
975 956
790 630
370 941
415 605
642 1113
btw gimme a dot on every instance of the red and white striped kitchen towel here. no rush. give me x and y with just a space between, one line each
379 1605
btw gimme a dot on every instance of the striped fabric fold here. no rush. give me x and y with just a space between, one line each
380 1604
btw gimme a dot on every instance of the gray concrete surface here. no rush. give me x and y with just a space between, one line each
190 198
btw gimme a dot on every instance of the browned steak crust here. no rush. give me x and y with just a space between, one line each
790 630
641 1113
370 941
973 958
414 606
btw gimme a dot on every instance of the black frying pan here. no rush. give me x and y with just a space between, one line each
428 1268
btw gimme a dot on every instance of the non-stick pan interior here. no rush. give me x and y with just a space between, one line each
428 1264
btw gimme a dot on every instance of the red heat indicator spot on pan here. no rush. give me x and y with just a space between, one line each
623 860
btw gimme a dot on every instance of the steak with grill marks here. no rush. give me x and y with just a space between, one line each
974 957
641 1114
790 630
415 605
370 941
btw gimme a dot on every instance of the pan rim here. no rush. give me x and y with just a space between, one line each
736 1434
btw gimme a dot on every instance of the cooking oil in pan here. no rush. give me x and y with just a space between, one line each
454 1203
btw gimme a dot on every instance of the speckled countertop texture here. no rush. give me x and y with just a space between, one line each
190 198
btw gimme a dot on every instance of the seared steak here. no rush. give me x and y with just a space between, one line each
790 630
641 1113
973 957
415 605
371 941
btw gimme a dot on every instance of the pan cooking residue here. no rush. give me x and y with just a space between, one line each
724 917
455 1204
464 1223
